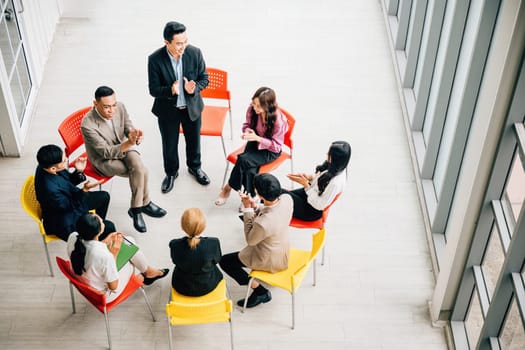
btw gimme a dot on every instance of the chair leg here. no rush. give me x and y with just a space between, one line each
48 258
148 303
231 333
322 256
315 271
247 294
106 318
293 307
223 147
231 124
225 173
72 298
169 334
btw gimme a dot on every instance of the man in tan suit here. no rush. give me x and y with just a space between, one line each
266 234
111 144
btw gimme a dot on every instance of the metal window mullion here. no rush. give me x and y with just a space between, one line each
442 80
403 21
501 223
413 45
494 343
423 80
519 293
392 7
15 58
482 289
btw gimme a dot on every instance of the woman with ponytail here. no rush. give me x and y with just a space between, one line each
320 189
94 261
264 131
195 257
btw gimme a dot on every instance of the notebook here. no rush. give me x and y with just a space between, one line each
126 252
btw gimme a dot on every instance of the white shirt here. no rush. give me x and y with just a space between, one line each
336 185
101 267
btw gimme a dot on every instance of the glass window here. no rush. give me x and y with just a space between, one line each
492 261
512 336
9 36
515 188
474 320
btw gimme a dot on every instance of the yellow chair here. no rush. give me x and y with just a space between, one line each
291 278
210 308
32 207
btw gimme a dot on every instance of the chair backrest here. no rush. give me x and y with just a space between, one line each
318 239
95 297
327 209
210 308
217 84
70 132
29 201
288 141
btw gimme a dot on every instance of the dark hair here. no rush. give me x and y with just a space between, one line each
339 154
103 91
49 155
267 186
268 102
173 28
88 226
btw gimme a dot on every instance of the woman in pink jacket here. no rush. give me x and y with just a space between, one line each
264 131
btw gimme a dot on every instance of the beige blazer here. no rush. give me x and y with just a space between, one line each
267 237
101 141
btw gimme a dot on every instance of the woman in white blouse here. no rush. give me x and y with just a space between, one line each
320 189
94 261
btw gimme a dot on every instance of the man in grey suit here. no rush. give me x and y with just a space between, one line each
176 75
111 143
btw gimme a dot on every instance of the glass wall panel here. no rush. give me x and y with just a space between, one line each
512 336
492 261
515 189
474 320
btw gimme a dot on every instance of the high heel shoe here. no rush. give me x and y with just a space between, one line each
150 280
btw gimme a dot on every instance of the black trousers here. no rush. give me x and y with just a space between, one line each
169 132
99 201
231 264
301 208
247 166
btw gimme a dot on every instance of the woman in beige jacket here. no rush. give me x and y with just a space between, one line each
266 234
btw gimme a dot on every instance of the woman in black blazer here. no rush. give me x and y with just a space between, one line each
195 257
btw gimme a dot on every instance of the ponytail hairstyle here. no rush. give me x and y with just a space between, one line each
193 223
267 100
338 158
88 227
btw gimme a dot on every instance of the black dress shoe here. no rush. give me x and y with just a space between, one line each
138 220
256 299
200 176
150 280
153 210
167 183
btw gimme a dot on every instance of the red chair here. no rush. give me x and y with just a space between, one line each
266 168
316 224
70 132
213 116
97 298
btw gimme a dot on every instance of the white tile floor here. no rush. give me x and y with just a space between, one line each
330 65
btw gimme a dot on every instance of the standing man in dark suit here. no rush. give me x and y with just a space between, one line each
176 75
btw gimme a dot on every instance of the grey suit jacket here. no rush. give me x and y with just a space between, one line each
101 141
161 76
267 237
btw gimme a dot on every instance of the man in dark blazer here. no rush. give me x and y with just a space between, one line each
62 202
176 75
